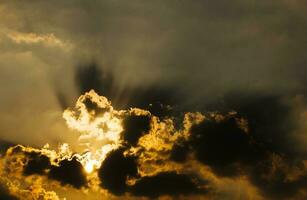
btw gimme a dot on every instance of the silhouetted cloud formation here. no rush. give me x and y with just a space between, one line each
185 154
37 164
4 145
166 183
276 177
34 162
179 152
5 195
222 145
270 119
134 127
115 170
265 151
69 172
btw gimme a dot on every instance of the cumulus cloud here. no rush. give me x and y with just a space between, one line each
122 168
195 154
115 170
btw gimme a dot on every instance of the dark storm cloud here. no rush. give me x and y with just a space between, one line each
5 195
223 145
37 164
271 120
166 183
69 172
272 177
134 127
4 145
266 153
179 152
114 171
116 168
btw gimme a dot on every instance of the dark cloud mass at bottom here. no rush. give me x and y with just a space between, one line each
222 145
37 164
266 153
250 143
263 152
69 172
166 183
271 176
114 171
271 119
256 142
5 195
134 127
260 146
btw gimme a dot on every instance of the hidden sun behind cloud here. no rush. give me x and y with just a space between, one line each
133 153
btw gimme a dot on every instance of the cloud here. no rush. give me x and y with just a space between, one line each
32 38
5 195
64 168
37 163
23 172
4 146
69 172
180 152
166 183
223 144
279 177
257 143
134 127
115 170
188 155
165 57
272 119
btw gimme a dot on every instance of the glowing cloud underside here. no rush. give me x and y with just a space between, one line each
123 151
97 122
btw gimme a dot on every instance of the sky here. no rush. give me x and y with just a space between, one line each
172 99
